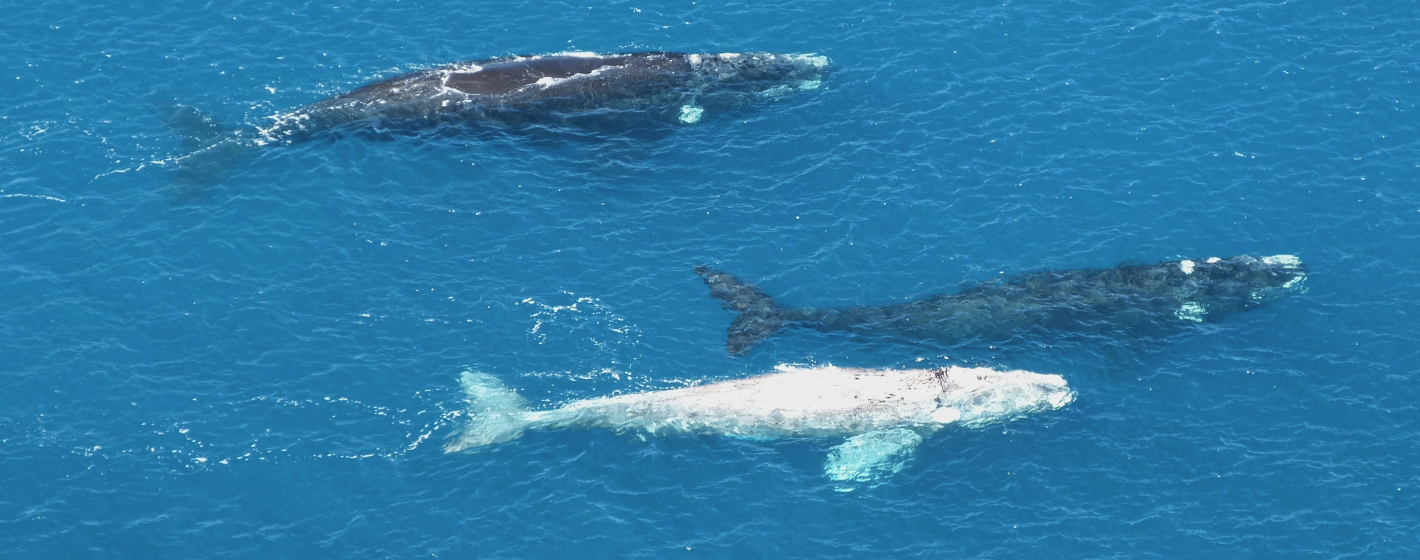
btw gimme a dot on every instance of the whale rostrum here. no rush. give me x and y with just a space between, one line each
882 414
1080 300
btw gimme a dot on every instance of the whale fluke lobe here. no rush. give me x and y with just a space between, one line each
196 130
497 414
1131 298
758 316
212 151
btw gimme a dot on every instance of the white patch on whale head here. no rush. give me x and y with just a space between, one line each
690 114
815 60
1290 263
694 59
1191 311
729 55
1284 260
1186 266
1212 260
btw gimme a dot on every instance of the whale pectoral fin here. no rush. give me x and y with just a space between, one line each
871 458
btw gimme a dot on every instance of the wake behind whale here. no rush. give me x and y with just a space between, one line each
520 93
883 414
1109 299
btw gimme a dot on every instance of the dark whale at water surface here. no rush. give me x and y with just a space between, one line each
1107 299
583 90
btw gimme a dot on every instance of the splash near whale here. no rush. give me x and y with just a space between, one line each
519 93
1082 300
882 414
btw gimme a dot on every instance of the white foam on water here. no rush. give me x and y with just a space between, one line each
691 114
946 415
1191 311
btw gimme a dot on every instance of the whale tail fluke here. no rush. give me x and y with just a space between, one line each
759 317
211 151
497 414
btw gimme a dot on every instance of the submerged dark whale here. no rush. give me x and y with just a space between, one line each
567 89
1124 297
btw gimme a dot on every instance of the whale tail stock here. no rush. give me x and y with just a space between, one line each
211 150
759 317
497 414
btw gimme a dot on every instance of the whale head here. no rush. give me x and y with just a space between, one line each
1223 286
975 397
761 74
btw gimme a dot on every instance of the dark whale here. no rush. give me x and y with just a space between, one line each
516 93
1121 298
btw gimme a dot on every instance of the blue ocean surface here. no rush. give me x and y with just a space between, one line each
270 368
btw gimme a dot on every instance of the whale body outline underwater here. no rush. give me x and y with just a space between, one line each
1167 294
518 93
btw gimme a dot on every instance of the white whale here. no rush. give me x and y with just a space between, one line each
883 414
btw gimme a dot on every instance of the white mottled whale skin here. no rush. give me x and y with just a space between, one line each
883 414
1111 300
583 90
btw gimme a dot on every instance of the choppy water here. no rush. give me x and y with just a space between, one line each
270 368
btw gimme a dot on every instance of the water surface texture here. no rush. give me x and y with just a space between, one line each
270 368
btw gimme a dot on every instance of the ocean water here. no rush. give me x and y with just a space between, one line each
270 368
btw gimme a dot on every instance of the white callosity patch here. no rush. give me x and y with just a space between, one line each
1212 260
1291 263
1191 311
1284 260
1186 266
818 61
691 114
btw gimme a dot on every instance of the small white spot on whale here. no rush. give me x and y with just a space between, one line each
690 114
546 81
1186 266
1212 260
1191 311
729 55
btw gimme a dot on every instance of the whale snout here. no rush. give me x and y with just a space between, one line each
1288 270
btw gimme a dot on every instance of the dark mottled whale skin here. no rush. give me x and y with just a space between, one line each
1124 297
568 89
